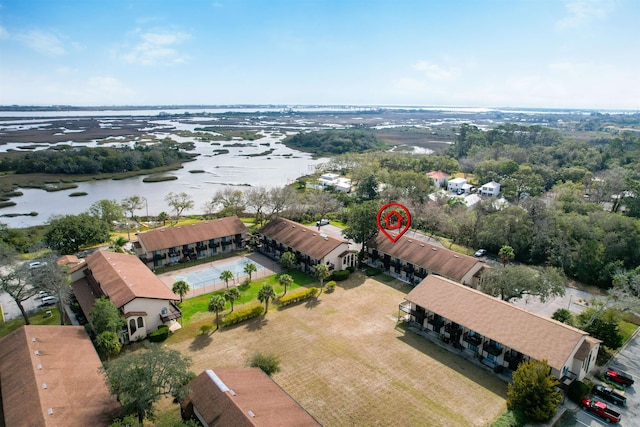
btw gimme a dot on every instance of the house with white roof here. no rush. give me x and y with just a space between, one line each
491 189
456 184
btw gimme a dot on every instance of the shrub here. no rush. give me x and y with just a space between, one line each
243 314
159 335
578 391
298 295
371 271
269 363
331 286
351 269
206 328
163 327
341 275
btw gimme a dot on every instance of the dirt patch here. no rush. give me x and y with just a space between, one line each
346 362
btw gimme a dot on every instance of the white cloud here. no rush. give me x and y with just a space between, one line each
4 34
43 42
157 48
582 12
436 72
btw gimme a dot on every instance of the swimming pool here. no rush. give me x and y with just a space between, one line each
211 275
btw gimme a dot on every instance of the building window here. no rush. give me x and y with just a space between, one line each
140 322
132 326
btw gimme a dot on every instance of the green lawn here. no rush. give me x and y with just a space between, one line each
248 293
36 319
626 329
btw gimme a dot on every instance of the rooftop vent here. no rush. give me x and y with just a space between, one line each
44 386
422 244
33 339
39 366
37 353
50 411
434 249
410 241
456 256
251 414
162 231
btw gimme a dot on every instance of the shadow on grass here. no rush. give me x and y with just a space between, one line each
200 341
454 361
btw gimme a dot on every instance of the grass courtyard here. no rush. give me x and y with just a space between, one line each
345 360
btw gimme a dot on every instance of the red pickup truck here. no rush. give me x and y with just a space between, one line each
619 377
600 409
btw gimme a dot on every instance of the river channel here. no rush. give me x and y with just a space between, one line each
278 168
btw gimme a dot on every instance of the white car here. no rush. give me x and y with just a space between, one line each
322 222
37 264
480 252
49 300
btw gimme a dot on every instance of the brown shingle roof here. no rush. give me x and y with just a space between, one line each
67 259
253 399
442 261
301 238
437 174
170 237
124 277
586 347
68 364
531 334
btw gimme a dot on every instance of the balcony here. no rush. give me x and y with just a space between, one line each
513 357
158 257
408 268
451 328
492 348
170 313
472 339
436 321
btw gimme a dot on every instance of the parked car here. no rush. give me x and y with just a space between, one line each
601 410
609 394
619 377
323 222
49 300
37 264
480 252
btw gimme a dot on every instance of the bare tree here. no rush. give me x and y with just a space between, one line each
257 199
132 204
232 201
323 203
280 199
52 279
179 202
14 279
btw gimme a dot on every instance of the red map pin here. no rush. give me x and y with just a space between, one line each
390 219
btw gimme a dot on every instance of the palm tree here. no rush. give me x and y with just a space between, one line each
265 294
118 244
181 288
250 268
226 276
506 254
322 272
285 280
216 305
163 216
232 295
288 260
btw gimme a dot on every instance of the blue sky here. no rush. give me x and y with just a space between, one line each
493 53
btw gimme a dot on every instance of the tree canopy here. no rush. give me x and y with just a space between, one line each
66 234
139 379
533 391
362 223
517 281
105 317
335 142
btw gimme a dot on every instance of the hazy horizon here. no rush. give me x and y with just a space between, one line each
571 54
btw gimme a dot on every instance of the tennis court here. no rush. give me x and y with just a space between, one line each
211 275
